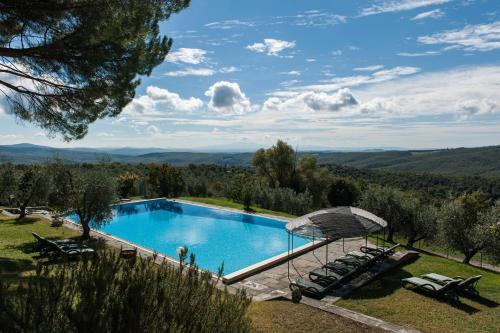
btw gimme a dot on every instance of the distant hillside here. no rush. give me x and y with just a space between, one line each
483 161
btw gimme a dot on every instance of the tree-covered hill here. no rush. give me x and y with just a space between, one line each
482 161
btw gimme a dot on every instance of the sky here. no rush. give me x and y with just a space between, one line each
317 74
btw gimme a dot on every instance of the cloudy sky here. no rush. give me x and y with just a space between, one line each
318 74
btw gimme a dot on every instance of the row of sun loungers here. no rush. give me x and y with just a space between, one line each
61 247
336 272
442 286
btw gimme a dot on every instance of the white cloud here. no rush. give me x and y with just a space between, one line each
230 69
272 47
337 53
371 68
310 60
229 24
337 83
315 18
153 130
389 6
104 135
294 73
312 102
481 37
187 55
157 102
419 54
190 71
464 92
432 14
289 83
227 98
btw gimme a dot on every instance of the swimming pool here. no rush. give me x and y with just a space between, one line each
213 235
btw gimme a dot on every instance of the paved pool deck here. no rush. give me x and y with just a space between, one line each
274 282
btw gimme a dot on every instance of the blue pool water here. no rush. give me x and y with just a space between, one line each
213 235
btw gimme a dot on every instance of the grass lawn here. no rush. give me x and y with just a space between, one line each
16 242
386 299
284 316
223 202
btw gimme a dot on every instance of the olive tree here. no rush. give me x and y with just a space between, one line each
88 193
165 180
276 164
419 221
343 192
387 203
466 224
33 187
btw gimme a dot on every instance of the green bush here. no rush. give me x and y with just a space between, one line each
109 294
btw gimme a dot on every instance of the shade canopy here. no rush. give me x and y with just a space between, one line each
336 223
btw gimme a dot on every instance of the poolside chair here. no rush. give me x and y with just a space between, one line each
311 288
338 267
70 251
432 288
42 244
351 261
379 251
465 285
361 255
324 276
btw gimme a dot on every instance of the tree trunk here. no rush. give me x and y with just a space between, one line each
22 215
86 231
469 255
390 235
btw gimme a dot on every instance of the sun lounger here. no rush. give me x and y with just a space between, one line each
351 261
464 285
379 251
312 288
361 255
43 244
70 251
324 276
338 268
435 289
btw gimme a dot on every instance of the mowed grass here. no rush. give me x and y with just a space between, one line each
18 261
17 258
223 202
385 298
287 317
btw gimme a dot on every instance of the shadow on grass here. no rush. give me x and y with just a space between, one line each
25 220
481 300
13 270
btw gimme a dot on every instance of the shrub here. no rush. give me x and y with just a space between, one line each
282 199
126 183
343 192
109 294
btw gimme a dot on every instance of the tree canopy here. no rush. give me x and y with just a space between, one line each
66 63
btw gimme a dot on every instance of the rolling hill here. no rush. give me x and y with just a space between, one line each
482 161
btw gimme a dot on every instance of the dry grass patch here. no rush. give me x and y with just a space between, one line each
287 317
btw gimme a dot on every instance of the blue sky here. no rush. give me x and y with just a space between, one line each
318 74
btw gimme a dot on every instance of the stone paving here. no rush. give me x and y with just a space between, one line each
274 281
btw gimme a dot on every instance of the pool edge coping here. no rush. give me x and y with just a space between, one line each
231 277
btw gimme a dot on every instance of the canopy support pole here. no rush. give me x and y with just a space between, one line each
326 255
343 249
288 261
